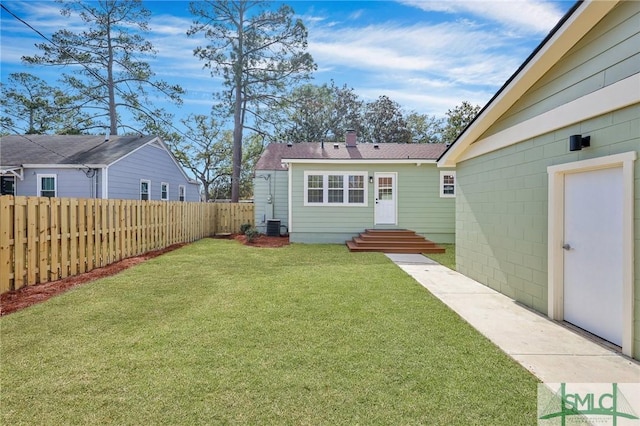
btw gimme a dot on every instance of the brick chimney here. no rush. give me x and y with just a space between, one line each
351 138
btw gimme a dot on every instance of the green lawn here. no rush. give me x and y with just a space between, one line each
220 333
448 258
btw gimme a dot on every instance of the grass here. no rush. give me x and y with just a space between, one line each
448 258
220 333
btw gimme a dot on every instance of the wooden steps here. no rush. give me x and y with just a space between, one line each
392 241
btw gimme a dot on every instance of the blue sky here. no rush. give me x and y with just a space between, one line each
428 56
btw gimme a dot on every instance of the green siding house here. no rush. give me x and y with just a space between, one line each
548 178
330 192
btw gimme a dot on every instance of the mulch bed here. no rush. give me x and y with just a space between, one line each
19 299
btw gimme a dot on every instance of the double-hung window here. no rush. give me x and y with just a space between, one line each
181 189
335 188
314 189
164 191
447 184
46 185
145 189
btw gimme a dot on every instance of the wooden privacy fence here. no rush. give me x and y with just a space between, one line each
45 239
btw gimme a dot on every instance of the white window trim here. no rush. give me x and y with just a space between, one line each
182 192
148 189
455 183
55 183
325 188
555 236
166 197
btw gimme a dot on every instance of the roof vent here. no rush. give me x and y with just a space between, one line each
376 146
106 137
289 144
336 145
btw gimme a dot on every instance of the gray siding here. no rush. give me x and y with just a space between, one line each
70 183
272 183
152 163
420 207
606 55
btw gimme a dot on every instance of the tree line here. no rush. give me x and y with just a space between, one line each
257 50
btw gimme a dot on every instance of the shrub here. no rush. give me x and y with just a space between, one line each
251 234
244 227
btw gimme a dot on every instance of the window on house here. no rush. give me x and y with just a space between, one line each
145 186
447 184
331 188
315 190
47 185
181 191
356 189
164 191
336 189
7 185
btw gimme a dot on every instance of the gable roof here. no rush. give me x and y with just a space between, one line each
275 153
67 150
576 23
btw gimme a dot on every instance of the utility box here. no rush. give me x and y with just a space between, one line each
273 228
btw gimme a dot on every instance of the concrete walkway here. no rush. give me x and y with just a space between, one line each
551 351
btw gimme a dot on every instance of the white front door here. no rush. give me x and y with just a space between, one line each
593 258
385 195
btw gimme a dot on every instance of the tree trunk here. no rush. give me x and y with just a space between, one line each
237 114
113 118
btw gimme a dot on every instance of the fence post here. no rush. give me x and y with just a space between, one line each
44 206
6 235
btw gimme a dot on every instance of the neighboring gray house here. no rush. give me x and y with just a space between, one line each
330 192
81 166
548 178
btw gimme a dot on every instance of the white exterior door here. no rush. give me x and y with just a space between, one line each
385 195
593 258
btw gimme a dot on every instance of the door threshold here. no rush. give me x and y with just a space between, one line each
594 338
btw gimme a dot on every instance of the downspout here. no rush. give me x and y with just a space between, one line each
290 185
105 184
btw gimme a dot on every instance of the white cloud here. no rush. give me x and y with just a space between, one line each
525 16
433 65
453 52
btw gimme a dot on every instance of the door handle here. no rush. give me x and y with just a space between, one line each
566 246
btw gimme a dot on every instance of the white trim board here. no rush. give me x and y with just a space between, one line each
611 98
556 234
63 166
577 25
415 161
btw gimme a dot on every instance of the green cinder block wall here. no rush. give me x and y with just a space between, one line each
502 207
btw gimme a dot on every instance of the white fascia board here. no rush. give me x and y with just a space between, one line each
610 98
63 166
15 171
416 161
588 14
